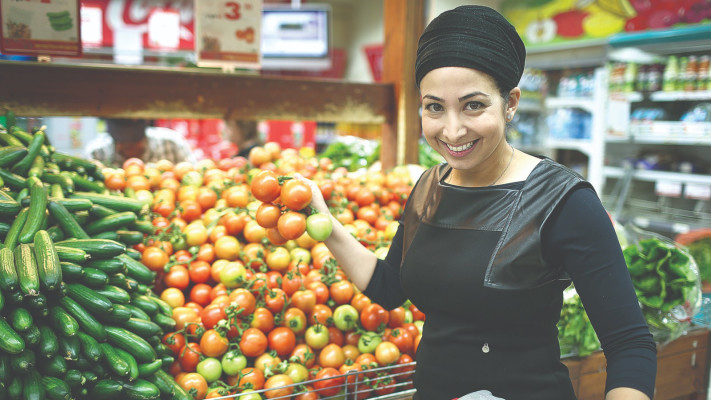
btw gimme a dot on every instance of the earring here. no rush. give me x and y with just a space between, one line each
509 117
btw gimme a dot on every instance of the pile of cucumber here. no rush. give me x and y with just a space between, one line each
78 318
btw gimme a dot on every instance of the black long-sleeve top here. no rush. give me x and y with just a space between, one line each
505 341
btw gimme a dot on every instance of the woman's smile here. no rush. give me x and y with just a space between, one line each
462 149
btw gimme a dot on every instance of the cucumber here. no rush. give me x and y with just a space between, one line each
132 343
23 362
116 203
71 254
112 359
96 248
26 267
118 315
9 208
143 327
75 379
38 304
61 179
169 386
137 270
136 312
56 191
9 140
106 389
33 149
55 233
21 319
130 237
55 366
70 347
71 161
62 322
83 184
38 209
9 155
145 303
12 237
94 278
140 389
93 301
49 344
8 274
89 346
120 280
111 223
14 388
107 235
10 341
4 368
37 167
114 294
32 336
71 272
165 322
32 388
98 211
73 205
131 361
145 227
50 271
111 266
133 253
13 180
86 320
163 306
55 388
4 229
66 221
148 369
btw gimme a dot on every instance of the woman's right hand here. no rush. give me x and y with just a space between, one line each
318 203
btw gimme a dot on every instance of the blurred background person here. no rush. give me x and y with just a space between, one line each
244 134
127 138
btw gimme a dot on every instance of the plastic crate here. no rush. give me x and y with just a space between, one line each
357 385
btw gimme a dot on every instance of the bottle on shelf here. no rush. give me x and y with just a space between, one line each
702 82
691 74
671 75
681 78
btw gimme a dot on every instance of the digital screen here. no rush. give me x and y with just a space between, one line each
300 33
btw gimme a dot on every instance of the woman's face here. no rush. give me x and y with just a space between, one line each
464 118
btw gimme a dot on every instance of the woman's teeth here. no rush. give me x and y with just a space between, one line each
463 147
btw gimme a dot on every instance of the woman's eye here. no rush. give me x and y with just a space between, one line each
474 105
433 107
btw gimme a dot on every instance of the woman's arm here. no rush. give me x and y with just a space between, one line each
355 259
580 238
625 394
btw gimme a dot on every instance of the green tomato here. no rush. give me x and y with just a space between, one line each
210 368
192 178
178 242
144 196
233 362
368 342
316 336
297 372
345 317
233 274
319 226
248 394
300 254
419 324
408 316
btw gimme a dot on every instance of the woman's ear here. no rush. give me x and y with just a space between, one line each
513 100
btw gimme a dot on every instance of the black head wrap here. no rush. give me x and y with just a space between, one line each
474 37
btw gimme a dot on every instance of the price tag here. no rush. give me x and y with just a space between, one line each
45 28
668 189
697 191
92 26
227 33
164 29
618 117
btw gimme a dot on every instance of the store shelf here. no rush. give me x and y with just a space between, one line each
681 96
582 145
672 132
36 89
665 41
658 176
583 103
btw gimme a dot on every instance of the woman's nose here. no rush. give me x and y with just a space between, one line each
454 128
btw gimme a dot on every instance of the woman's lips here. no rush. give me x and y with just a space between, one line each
461 150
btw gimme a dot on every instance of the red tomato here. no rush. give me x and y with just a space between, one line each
417 315
386 353
328 382
267 215
291 225
174 341
321 314
295 319
331 356
342 291
295 194
279 386
397 317
253 342
248 375
211 315
304 299
402 339
359 301
282 340
193 381
200 293
213 344
154 258
373 315
177 277
320 290
291 282
304 355
243 299
189 357
405 371
265 186
335 336
275 299
262 319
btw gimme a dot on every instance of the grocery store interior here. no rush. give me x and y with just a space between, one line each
619 91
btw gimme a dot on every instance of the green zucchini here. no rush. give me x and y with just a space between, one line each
10 341
62 322
86 320
26 267
50 271
132 343
96 248
8 274
114 361
89 299
9 155
12 237
38 209
49 344
116 203
66 221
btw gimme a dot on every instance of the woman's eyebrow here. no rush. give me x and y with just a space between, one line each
470 95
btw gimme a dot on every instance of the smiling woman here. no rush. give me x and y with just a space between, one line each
489 239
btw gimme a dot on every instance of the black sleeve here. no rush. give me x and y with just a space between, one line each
581 238
384 287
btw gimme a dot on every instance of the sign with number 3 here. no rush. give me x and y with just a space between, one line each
227 33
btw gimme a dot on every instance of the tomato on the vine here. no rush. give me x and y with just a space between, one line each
291 225
304 354
233 362
316 336
189 357
265 186
267 215
253 342
174 341
282 340
192 381
295 319
295 194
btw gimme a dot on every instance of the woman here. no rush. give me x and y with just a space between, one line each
489 239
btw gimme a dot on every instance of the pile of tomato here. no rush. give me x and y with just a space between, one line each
261 306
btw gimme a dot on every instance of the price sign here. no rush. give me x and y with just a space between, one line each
668 189
164 29
40 27
697 191
227 33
